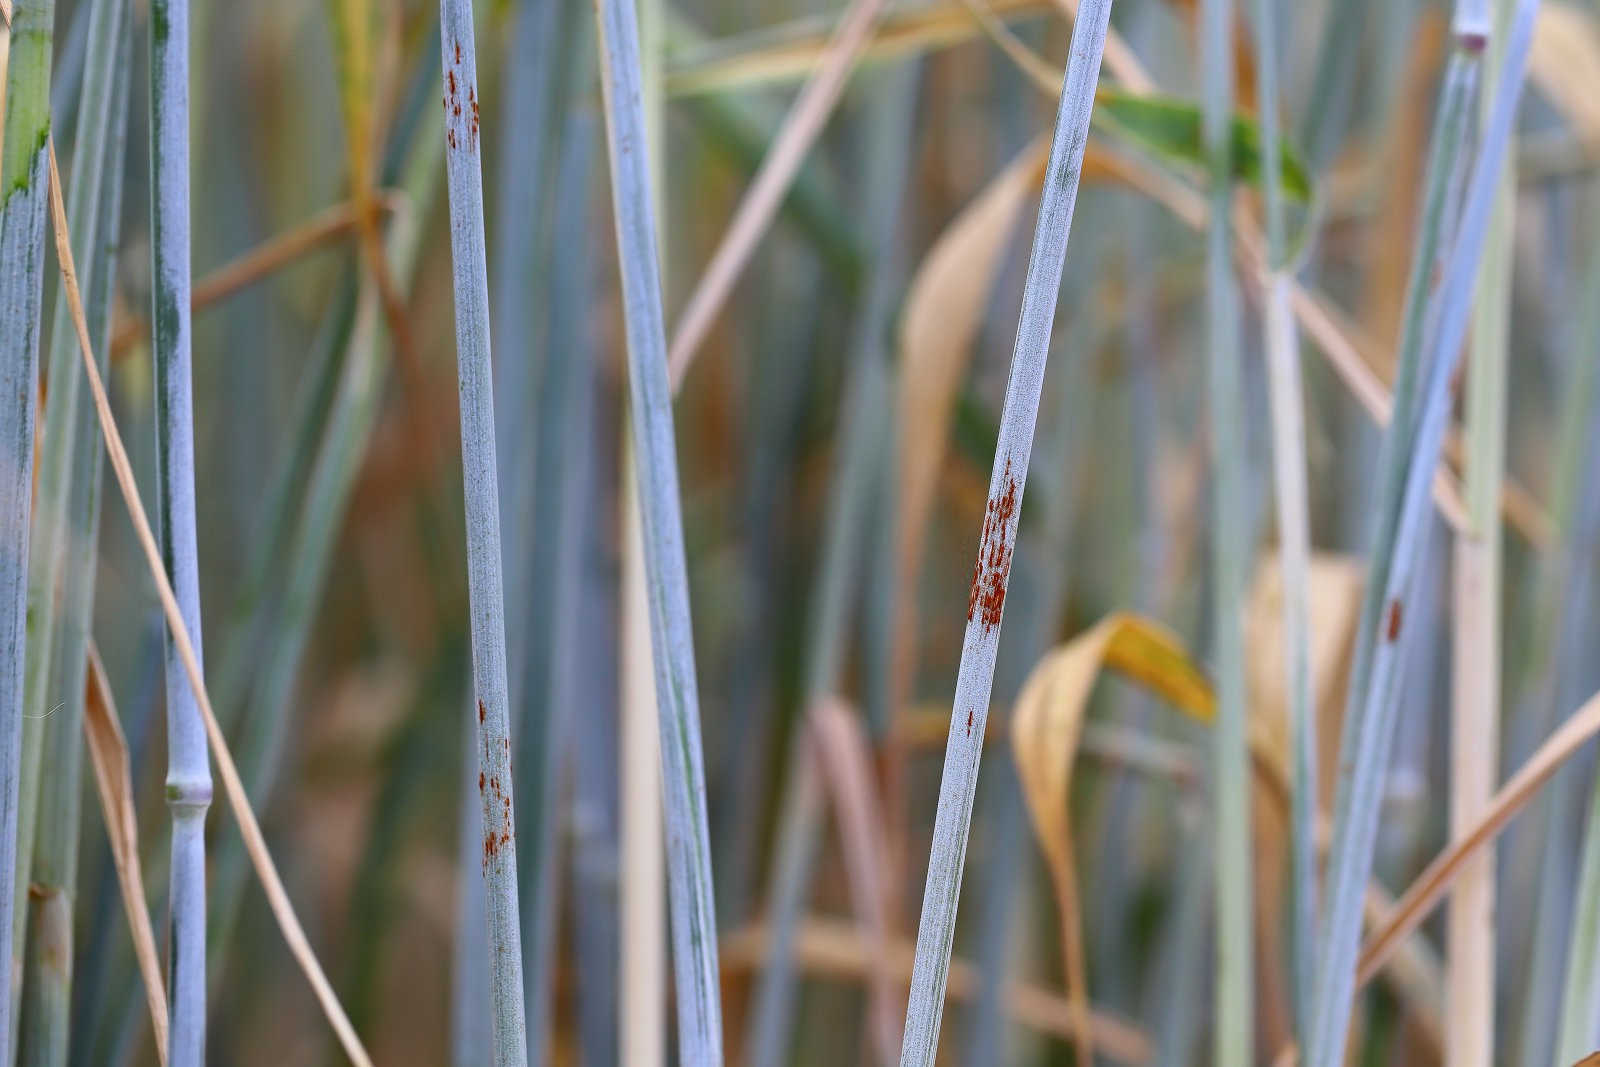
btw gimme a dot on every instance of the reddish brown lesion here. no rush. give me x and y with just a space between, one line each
499 832
480 713
468 132
1393 632
992 569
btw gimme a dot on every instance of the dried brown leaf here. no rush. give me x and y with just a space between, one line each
1046 728
108 752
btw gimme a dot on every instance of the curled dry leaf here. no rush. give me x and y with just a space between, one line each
108 751
1564 63
1046 727
1048 722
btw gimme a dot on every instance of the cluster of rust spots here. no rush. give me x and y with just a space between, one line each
453 110
497 811
987 598
495 836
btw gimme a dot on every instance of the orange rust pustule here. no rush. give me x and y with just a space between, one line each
480 713
987 597
1394 621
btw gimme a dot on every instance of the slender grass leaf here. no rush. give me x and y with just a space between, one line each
463 169
23 178
694 933
1365 748
986 602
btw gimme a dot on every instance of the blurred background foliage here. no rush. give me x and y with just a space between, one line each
336 614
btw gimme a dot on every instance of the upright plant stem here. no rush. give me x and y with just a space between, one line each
63 376
1375 706
469 978
1294 536
1570 586
188 768
464 174
642 997
986 601
550 63
97 171
642 1000
564 412
694 931
591 655
1475 703
1446 164
23 193
1232 1033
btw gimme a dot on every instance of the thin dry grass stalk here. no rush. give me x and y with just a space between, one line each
108 751
760 204
1431 885
233 787
324 228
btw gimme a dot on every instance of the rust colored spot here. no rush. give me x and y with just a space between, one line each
969 722
987 597
458 51
450 80
480 712
1394 619
480 781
